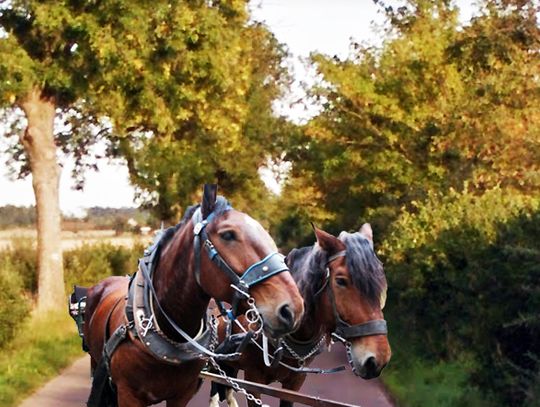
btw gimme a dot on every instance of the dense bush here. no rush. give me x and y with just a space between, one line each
85 265
14 304
17 216
22 257
88 264
464 275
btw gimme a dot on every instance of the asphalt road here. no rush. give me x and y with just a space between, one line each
71 388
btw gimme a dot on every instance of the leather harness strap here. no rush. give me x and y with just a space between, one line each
142 296
345 331
269 266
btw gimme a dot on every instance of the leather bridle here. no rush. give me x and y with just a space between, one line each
345 331
146 325
269 266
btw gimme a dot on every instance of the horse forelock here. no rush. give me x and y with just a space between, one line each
365 268
221 206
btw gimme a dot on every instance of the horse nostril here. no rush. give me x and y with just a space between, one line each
370 365
286 315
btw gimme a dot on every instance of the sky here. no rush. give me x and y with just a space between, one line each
305 26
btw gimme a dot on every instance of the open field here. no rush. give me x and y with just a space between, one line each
72 240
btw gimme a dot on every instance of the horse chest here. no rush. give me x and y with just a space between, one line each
153 380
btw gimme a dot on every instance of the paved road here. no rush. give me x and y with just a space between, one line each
71 388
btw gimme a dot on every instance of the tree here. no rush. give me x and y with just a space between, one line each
147 69
435 135
371 149
226 136
496 131
437 106
58 58
464 271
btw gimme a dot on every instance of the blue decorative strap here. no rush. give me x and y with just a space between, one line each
271 265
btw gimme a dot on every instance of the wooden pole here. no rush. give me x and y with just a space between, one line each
282 394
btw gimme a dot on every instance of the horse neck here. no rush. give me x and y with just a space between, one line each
176 287
317 319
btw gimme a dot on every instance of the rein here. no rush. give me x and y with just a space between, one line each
141 297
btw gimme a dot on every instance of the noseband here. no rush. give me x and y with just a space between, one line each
258 272
345 331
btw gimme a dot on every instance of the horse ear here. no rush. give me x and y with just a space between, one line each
209 199
367 232
328 242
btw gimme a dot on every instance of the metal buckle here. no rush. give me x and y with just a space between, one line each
145 323
199 227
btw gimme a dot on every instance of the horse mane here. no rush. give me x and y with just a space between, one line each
308 268
221 206
364 266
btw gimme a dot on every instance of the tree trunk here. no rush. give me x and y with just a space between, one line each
40 148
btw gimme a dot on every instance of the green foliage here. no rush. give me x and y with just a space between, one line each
22 258
85 266
88 264
226 140
41 349
419 382
183 90
437 106
464 278
14 304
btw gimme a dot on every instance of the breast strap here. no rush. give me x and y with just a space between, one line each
144 327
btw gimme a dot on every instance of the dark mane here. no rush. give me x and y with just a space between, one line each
308 267
222 205
364 266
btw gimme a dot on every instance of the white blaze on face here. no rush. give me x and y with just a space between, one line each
361 353
252 222
258 231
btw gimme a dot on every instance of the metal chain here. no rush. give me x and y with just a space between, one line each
302 359
350 356
235 386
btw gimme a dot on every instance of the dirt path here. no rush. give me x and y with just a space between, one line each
71 388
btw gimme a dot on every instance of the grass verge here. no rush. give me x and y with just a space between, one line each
421 383
42 347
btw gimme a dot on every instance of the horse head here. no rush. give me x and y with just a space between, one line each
243 262
357 294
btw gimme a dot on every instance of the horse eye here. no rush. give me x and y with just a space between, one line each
342 282
229 235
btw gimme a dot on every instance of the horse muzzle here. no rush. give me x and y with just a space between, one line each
365 363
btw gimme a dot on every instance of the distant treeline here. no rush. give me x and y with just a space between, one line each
17 216
96 218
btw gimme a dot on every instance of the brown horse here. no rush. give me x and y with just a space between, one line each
344 290
160 334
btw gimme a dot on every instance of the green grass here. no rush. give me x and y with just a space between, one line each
42 347
421 383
